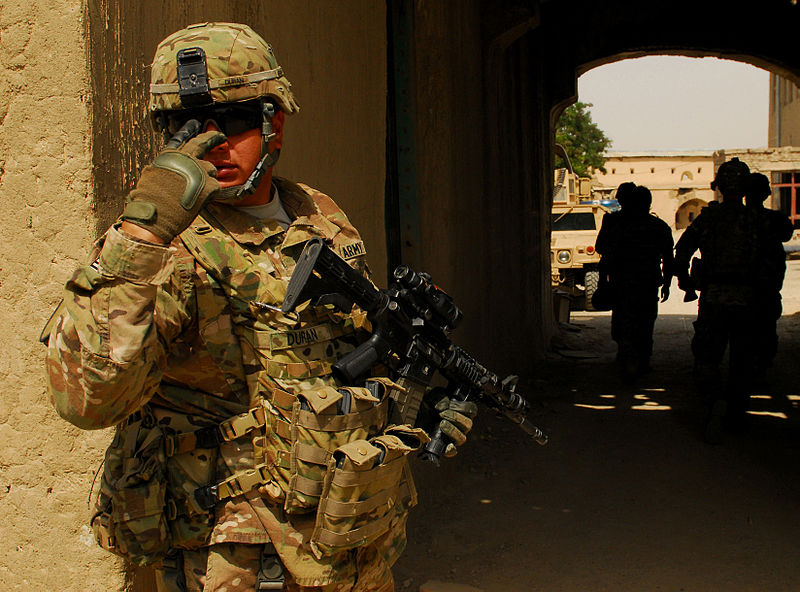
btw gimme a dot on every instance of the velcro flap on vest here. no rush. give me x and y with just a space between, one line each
337 508
322 398
361 453
403 438
359 393
387 383
312 454
373 418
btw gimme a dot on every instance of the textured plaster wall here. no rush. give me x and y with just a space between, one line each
46 466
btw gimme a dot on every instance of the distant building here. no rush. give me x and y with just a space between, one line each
784 112
781 165
784 140
680 181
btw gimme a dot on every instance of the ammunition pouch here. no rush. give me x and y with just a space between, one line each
145 506
366 491
130 516
303 430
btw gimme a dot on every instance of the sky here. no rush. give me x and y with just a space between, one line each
668 103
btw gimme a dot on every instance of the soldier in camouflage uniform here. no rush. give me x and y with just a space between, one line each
730 238
636 249
771 271
238 462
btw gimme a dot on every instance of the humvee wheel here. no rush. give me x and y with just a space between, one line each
591 282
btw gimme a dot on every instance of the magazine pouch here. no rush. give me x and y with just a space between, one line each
304 429
366 489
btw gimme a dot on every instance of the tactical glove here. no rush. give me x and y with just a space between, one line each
173 189
455 421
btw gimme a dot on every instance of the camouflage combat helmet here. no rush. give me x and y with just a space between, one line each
758 187
214 65
732 177
240 67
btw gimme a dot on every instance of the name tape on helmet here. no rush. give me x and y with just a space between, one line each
214 83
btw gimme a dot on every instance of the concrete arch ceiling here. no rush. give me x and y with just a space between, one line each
581 35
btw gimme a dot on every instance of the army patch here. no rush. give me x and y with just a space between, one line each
300 337
352 250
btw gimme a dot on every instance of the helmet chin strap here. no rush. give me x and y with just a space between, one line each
237 192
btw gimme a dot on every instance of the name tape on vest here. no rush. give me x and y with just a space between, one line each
300 337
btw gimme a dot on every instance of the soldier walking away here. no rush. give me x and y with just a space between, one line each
729 237
771 273
236 456
636 249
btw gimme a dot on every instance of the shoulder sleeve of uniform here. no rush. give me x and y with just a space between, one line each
703 217
326 215
785 227
107 346
331 210
608 226
666 232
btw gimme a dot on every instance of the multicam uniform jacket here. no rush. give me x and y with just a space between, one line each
230 427
729 236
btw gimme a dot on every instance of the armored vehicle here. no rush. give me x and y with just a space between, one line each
576 219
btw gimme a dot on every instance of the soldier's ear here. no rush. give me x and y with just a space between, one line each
278 121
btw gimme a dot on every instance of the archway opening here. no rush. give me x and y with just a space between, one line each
671 120
687 212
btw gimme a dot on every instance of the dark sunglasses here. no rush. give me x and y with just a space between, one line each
231 119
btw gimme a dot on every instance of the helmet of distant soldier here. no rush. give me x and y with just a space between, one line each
732 177
238 66
758 187
624 192
642 198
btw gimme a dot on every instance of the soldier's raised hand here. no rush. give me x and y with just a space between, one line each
173 189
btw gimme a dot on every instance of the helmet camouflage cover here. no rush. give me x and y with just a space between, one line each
240 64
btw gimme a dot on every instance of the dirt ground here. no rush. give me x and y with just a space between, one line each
626 496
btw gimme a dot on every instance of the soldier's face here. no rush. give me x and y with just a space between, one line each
238 156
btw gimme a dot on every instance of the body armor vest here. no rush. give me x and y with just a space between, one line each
292 434
323 448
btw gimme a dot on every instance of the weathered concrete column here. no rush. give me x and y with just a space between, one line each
46 466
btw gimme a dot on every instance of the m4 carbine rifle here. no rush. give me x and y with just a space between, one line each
411 326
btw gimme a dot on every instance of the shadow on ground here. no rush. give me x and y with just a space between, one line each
626 496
